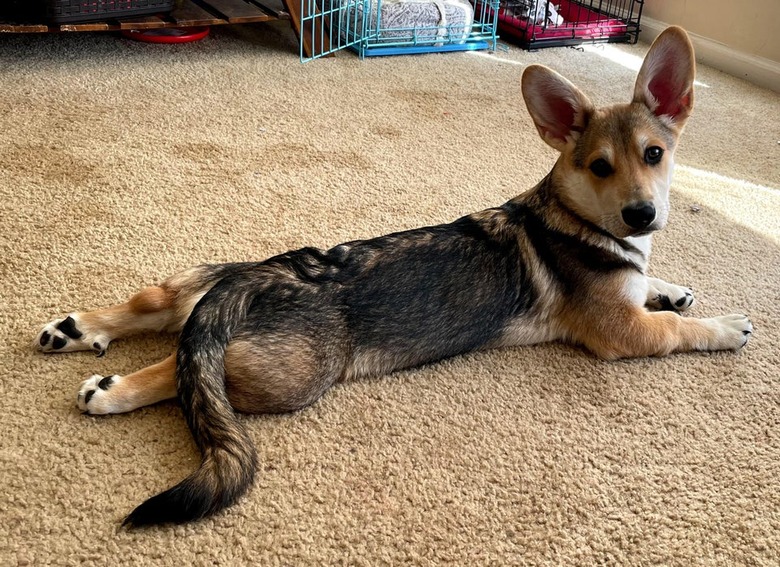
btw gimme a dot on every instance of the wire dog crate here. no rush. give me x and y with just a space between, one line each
78 11
554 23
396 27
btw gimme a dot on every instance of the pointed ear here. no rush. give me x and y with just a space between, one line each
665 81
558 108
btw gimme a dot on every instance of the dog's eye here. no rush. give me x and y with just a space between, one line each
601 168
653 155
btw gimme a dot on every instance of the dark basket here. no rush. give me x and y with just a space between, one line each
69 11
22 10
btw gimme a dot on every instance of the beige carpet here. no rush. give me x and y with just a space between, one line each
121 163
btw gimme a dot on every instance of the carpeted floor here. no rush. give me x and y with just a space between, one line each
122 163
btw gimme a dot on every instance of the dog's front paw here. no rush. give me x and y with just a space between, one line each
730 332
662 296
68 335
95 396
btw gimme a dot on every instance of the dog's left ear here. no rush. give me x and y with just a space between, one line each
665 81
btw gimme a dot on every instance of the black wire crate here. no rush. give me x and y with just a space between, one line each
554 23
77 11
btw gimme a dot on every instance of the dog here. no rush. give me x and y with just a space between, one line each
564 261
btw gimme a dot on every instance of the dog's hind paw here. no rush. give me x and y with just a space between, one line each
95 396
69 335
662 296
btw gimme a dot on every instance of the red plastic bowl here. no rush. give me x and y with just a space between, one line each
167 35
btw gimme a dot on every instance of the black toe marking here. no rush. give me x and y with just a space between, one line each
58 342
680 302
106 382
666 304
97 346
68 328
45 338
89 396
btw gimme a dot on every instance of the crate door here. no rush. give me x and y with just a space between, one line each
327 26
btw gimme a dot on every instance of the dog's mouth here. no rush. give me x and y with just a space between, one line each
644 231
654 226
627 232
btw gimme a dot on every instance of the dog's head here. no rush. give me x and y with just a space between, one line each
616 162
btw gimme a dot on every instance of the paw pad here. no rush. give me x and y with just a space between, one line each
68 328
93 396
68 335
668 297
680 302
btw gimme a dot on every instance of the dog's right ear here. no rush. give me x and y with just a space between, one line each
559 110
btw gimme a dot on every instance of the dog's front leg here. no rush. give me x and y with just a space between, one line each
663 296
628 331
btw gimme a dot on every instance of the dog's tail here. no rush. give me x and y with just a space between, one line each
229 459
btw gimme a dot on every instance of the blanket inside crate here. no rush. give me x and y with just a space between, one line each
410 21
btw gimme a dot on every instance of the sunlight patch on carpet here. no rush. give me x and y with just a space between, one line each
495 58
749 204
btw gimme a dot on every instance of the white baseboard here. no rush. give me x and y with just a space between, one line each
757 70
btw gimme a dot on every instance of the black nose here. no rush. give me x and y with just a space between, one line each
639 215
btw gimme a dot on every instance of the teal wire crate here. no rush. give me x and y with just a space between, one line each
396 27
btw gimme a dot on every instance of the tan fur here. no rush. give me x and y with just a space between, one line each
275 373
149 385
151 300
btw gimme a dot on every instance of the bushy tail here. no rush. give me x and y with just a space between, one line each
229 458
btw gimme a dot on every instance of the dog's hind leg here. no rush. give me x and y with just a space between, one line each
157 308
118 394
276 373
663 296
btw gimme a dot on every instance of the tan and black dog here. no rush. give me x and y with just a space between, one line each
564 261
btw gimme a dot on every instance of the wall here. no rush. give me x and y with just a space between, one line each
739 37
751 27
